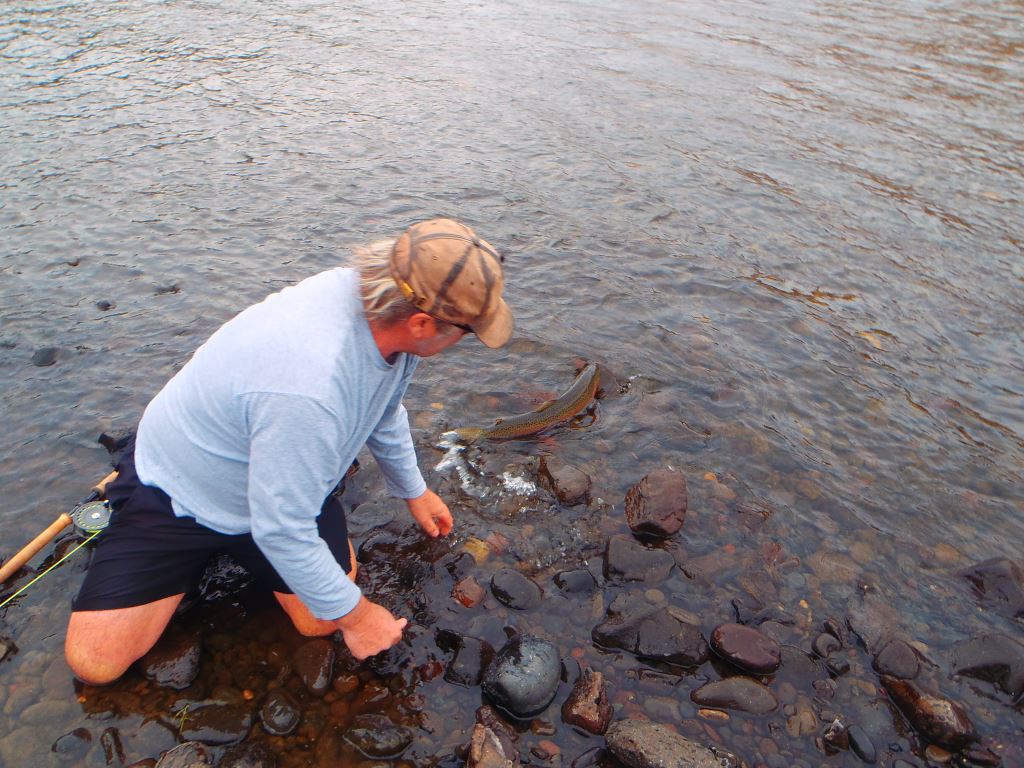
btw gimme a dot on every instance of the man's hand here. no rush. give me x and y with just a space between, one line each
431 513
369 629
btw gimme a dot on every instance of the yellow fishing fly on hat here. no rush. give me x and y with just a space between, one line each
446 271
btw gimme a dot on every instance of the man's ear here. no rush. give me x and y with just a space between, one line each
421 326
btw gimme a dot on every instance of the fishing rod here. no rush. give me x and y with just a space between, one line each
91 515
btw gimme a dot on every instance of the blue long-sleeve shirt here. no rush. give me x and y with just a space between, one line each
261 424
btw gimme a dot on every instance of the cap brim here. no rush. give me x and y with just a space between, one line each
495 330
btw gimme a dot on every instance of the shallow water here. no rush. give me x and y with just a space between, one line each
790 231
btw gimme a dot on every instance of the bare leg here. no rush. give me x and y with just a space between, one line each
101 645
305 622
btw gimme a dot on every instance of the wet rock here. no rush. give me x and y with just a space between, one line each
488 716
746 648
587 706
579 581
656 506
47 711
251 754
628 560
641 744
524 676
515 590
103 305
472 656
217 724
999 584
872 618
7 647
314 664
651 632
280 713
174 661
741 694
191 754
824 644
937 718
996 658
468 592
897 659
570 484
377 737
73 746
45 356
487 750
860 744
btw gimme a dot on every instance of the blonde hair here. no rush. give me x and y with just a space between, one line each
382 299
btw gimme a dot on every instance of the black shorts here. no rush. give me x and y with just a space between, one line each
148 553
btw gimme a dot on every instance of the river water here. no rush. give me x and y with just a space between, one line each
788 231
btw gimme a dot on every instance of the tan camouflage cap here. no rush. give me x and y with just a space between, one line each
445 270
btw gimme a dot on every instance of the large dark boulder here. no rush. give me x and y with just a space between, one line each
523 678
656 506
650 632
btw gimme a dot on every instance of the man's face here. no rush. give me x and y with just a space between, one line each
445 336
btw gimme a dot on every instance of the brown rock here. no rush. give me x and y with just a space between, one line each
587 706
487 751
468 592
938 719
569 484
747 648
741 694
314 663
656 506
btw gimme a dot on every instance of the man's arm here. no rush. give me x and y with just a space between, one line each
391 445
293 460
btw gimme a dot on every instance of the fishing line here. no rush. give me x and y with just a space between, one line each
37 578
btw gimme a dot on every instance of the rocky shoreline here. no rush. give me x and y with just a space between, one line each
608 663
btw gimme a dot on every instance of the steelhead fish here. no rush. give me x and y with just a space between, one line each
564 407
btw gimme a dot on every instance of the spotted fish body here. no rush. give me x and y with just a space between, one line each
563 408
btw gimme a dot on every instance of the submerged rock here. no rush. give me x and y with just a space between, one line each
897 659
641 744
575 582
377 737
588 706
280 713
314 664
251 754
656 506
523 678
217 724
570 484
872 618
471 657
515 590
746 648
174 661
73 746
999 584
996 658
651 632
626 559
191 754
937 718
741 694
487 750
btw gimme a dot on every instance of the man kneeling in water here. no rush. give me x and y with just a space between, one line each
242 450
